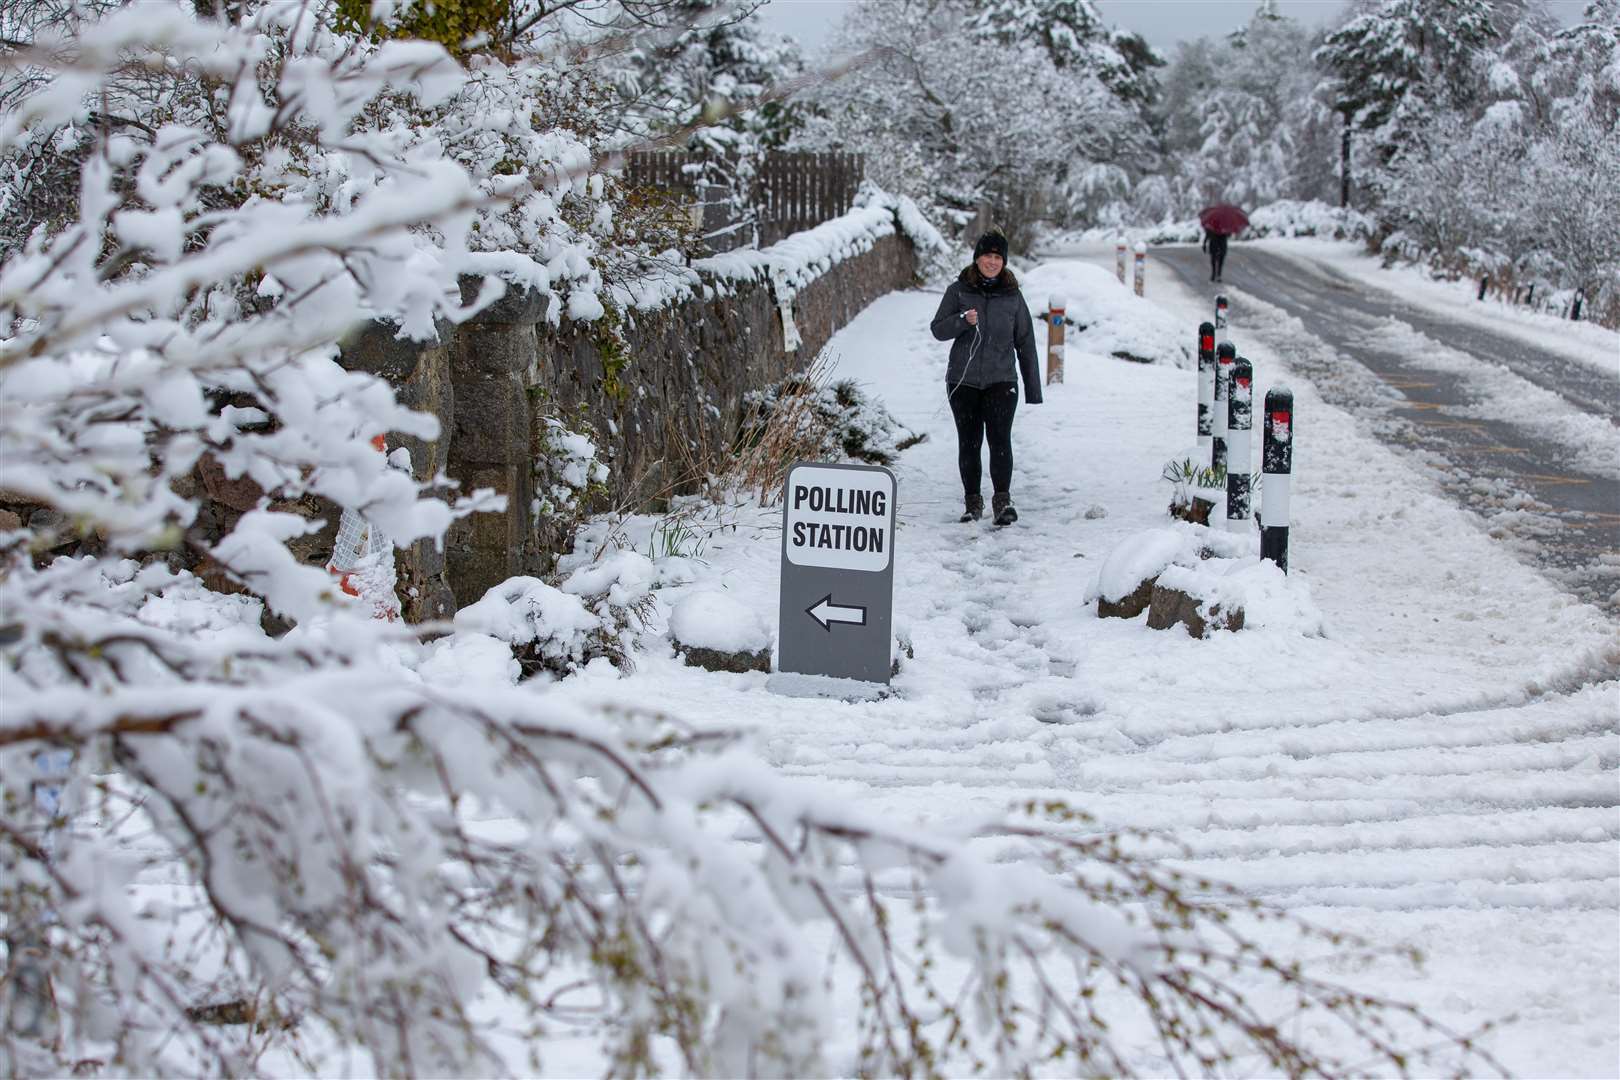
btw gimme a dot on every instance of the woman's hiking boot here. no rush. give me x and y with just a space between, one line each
1001 503
975 508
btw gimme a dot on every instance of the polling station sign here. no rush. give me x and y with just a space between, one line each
837 597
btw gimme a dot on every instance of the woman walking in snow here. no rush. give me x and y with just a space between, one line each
987 322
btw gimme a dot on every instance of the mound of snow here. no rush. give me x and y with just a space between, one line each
1117 321
714 620
1268 598
1147 554
1141 557
523 609
472 660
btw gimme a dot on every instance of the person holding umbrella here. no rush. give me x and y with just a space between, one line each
1215 244
1219 222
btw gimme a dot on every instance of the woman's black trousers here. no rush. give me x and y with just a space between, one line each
984 412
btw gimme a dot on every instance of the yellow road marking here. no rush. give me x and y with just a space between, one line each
1584 525
1461 425
1553 481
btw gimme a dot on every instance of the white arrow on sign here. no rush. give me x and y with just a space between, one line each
825 612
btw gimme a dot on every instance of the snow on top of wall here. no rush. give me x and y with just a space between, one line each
1143 556
789 264
1147 554
801 258
1267 597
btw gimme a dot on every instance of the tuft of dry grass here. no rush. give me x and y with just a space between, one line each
773 439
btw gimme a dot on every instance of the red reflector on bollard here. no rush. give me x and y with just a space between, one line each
1241 381
1206 343
1281 417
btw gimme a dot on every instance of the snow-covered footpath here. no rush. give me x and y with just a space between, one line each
1424 751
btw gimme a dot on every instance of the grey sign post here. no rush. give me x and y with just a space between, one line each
837 600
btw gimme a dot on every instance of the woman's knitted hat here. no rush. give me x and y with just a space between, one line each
994 241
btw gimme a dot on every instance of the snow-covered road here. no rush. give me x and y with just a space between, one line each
1517 420
1429 755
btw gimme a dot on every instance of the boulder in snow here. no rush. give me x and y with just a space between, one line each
1201 618
1130 605
1206 579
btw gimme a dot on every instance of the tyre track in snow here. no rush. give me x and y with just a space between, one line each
1517 710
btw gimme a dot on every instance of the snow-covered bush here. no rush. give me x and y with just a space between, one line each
806 417
567 471
593 614
1193 481
830 422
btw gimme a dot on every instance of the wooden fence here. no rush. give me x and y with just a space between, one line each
801 190
792 192
666 169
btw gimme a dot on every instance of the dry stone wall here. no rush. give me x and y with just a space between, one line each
655 389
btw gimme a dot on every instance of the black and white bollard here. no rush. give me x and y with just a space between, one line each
1119 257
1277 466
1239 425
1206 388
1141 267
1225 354
1220 321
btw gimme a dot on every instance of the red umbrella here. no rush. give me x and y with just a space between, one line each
1223 218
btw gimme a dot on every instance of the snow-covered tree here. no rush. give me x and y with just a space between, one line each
1394 63
1241 124
1501 183
1009 105
713 78
1073 34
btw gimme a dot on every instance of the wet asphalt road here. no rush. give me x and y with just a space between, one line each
1532 491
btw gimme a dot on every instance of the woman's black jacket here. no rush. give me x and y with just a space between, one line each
1005 329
